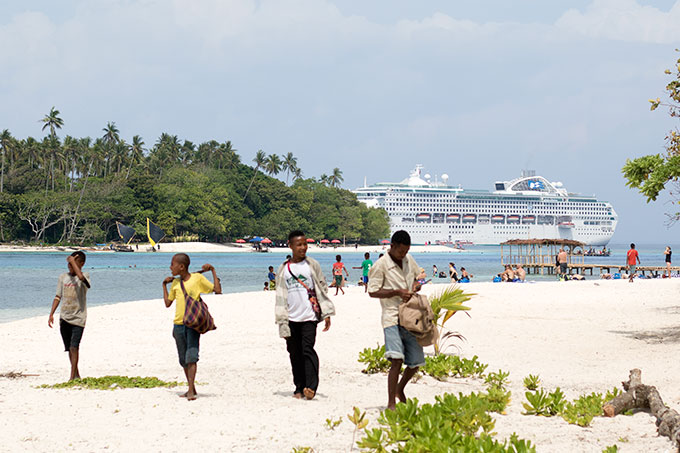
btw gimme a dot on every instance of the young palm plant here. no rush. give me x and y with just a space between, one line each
444 305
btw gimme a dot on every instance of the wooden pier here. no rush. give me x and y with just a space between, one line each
537 256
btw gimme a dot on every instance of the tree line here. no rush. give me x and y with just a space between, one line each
73 190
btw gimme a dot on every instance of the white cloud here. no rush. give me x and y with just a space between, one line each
624 20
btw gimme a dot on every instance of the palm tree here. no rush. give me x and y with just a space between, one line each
260 160
5 143
335 178
136 152
232 159
273 164
70 150
111 133
289 165
53 122
323 179
297 174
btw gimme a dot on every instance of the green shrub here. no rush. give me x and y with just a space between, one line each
532 382
578 412
113 382
542 403
611 449
453 423
442 366
582 410
375 360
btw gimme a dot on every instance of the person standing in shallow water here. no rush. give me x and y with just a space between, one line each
667 257
186 338
393 280
295 315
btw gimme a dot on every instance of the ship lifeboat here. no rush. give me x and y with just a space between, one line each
546 220
407 220
483 218
438 218
528 220
566 224
498 218
453 218
513 218
469 218
423 217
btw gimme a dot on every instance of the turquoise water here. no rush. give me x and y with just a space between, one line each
28 280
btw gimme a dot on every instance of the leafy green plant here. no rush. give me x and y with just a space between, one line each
359 421
532 382
445 304
332 424
499 378
113 382
375 360
442 366
611 449
543 403
302 450
453 423
498 398
582 410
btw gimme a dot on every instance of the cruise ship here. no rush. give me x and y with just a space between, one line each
524 208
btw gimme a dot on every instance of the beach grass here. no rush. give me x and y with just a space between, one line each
112 383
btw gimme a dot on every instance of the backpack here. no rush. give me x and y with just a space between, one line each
417 317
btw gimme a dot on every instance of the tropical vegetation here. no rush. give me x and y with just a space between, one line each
73 190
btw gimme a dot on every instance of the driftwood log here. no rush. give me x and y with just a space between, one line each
640 396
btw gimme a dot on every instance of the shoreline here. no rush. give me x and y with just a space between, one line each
581 336
209 247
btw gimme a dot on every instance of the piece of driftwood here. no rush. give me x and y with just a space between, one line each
640 396
15 375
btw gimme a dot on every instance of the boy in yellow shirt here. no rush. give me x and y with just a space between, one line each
186 338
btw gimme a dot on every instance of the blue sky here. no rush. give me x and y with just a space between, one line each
477 90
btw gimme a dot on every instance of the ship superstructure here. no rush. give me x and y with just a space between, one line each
526 207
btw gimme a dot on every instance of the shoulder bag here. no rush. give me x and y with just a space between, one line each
311 295
416 316
196 314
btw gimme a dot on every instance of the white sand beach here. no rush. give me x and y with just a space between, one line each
580 336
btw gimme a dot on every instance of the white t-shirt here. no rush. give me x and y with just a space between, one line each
299 307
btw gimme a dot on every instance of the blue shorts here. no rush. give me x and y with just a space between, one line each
365 279
401 344
187 340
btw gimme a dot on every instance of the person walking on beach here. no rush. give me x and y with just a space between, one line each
186 338
72 289
300 289
632 259
365 267
338 267
393 280
562 260
667 257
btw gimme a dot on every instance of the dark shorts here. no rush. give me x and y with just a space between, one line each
338 280
70 334
365 278
563 268
187 340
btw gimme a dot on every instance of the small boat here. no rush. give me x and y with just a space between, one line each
498 218
453 218
565 225
528 220
121 248
513 218
469 218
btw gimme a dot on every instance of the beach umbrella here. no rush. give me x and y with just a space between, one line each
256 239
335 241
324 241
385 241
266 241
240 241
310 240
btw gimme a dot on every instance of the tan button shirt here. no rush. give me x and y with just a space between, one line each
386 274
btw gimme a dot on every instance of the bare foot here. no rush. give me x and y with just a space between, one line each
391 407
191 396
309 393
297 396
186 395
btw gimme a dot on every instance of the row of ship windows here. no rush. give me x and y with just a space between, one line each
486 209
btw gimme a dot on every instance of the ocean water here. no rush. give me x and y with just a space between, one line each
28 280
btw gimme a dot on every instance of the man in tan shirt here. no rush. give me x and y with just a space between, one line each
392 279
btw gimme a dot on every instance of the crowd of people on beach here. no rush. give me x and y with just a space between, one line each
301 303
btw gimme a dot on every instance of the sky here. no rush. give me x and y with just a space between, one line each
477 90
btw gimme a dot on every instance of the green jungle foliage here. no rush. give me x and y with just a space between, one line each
650 174
72 191
453 423
113 382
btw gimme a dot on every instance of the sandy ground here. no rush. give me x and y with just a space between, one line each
580 336
208 247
